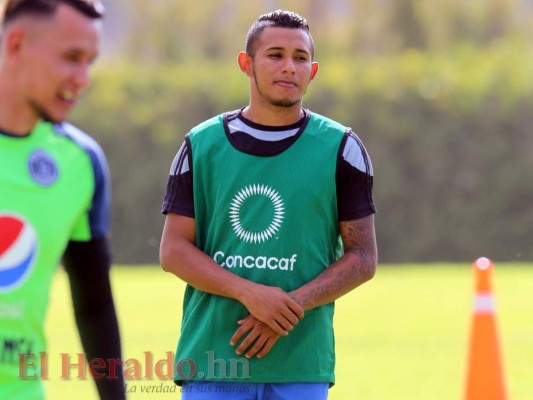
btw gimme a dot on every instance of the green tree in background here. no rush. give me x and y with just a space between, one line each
441 93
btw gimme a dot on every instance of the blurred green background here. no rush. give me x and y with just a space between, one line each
441 93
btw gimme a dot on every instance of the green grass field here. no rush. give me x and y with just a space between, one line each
402 336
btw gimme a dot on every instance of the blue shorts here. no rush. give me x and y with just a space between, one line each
200 390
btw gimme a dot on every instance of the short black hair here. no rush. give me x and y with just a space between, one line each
276 19
16 8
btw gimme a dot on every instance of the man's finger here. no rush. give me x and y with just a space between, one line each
297 309
277 327
266 348
258 345
244 327
247 342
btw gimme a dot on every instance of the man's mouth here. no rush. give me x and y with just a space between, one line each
287 84
69 96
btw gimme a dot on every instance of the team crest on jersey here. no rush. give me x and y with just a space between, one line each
18 248
256 213
43 167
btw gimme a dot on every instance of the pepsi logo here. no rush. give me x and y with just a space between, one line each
18 247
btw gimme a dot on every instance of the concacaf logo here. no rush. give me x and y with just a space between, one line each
253 231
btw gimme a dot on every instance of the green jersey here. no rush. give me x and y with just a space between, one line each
272 220
53 188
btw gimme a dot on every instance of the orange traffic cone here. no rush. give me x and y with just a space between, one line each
485 371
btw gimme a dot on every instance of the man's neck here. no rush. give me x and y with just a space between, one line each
16 117
273 115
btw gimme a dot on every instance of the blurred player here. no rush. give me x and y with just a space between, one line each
54 192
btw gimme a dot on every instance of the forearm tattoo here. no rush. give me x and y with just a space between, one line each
348 272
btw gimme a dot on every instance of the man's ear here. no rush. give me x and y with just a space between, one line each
13 41
314 70
245 63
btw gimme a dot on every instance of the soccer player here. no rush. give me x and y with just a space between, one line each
54 193
256 203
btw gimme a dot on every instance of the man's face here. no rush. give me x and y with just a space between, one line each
282 67
54 62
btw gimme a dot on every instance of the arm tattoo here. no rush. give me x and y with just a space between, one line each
358 238
355 267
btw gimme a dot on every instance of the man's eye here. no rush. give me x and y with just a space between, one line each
73 58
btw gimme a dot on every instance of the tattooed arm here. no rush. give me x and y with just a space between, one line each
355 267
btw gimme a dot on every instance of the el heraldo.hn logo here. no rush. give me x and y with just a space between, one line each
256 227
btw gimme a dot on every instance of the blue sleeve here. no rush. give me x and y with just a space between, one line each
99 212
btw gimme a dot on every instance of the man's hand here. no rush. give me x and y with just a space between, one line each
274 307
258 337
180 256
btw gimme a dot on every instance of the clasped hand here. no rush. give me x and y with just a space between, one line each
273 313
